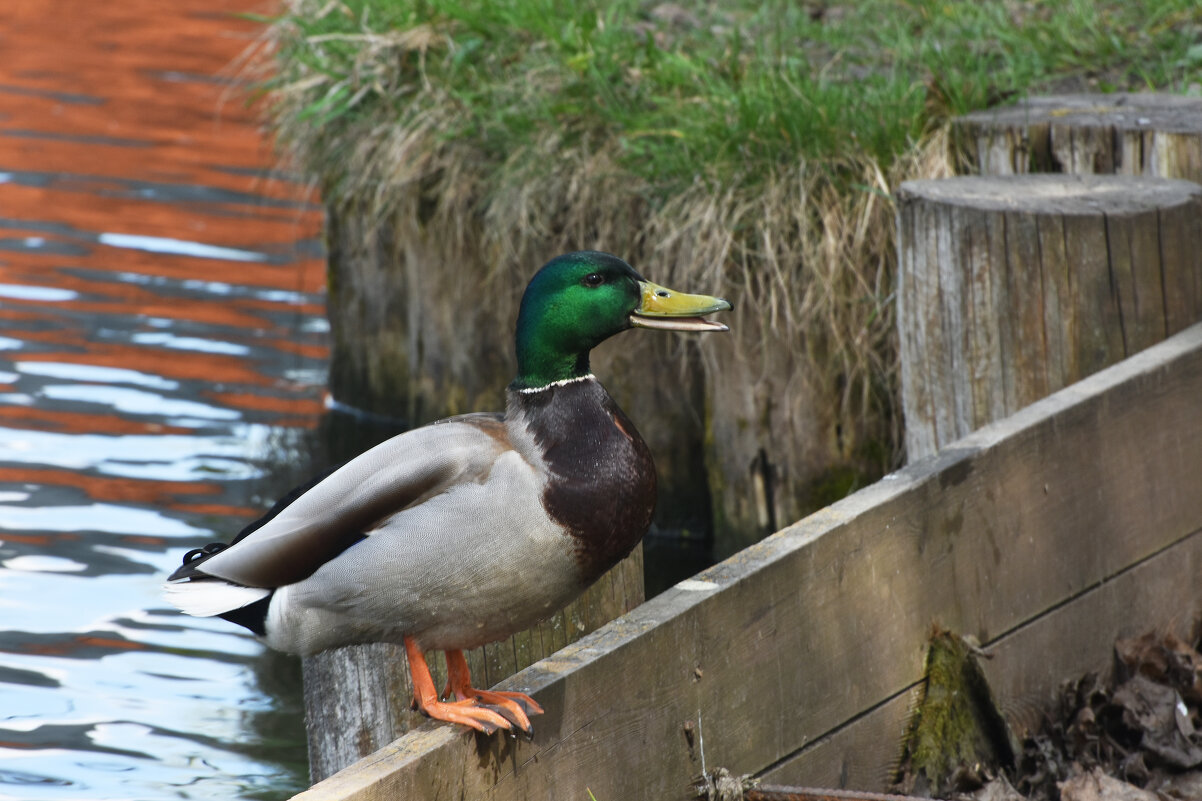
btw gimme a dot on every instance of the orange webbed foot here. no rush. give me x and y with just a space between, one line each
469 714
466 712
516 707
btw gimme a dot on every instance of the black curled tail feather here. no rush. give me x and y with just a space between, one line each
253 616
193 559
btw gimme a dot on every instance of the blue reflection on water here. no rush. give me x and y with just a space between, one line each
180 247
105 692
93 373
43 293
95 517
169 340
121 400
167 457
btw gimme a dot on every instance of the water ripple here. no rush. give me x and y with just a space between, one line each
161 370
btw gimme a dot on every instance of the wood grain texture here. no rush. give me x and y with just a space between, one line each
1069 641
1013 287
1123 133
825 622
357 699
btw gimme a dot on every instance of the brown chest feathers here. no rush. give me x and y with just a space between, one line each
602 478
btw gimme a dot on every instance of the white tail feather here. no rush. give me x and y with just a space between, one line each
206 597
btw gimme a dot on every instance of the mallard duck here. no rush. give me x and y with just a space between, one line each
469 529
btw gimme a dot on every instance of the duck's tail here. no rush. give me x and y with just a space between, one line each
196 593
207 597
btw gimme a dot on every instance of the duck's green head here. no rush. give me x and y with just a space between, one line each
578 300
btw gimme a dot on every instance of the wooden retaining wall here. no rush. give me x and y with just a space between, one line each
1045 535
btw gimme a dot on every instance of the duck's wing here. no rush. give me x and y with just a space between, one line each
340 509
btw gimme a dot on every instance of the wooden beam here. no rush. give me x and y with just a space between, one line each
1025 667
789 640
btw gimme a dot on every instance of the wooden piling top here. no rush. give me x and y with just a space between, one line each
1131 134
1129 111
1011 287
1054 193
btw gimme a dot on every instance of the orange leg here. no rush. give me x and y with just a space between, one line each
469 713
515 706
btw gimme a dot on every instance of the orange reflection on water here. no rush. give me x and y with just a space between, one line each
45 419
154 263
110 488
162 355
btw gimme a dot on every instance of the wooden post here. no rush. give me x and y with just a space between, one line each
1130 134
1010 288
357 699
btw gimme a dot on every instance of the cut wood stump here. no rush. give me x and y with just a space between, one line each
357 699
1129 134
1013 287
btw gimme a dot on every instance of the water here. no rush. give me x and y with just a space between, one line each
162 368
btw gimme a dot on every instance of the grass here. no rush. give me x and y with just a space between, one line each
748 147
728 91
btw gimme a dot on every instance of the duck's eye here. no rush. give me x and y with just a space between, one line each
594 279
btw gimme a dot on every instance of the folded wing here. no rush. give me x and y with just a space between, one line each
346 505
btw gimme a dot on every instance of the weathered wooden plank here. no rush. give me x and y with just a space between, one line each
916 405
500 660
1078 637
790 639
1059 325
862 755
1180 233
336 686
1174 154
999 153
1027 360
1122 276
1003 392
954 291
1148 275
1099 330
1129 158
978 262
1068 641
936 348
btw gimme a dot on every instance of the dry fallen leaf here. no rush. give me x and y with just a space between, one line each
1097 786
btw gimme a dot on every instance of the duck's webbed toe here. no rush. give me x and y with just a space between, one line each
481 713
516 707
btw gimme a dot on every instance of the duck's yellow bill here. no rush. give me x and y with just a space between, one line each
669 310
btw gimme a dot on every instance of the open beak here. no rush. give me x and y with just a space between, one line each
668 310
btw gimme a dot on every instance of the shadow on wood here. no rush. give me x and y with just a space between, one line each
1044 535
